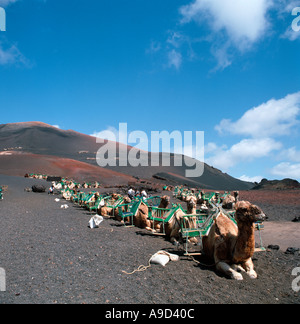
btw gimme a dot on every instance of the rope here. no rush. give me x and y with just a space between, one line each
141 268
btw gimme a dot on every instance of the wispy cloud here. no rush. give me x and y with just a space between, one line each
244 22
263 130
174 59
4 3
251 179
233 24
246 150
273 118
287 170
11 55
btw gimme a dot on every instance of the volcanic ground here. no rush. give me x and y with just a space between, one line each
51 256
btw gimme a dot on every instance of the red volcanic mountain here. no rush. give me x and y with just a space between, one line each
40 148
36 147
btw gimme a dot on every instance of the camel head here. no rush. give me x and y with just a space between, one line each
192 203
165 200
127 200
248 213
236 195
115 196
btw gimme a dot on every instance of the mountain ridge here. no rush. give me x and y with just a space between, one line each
45 140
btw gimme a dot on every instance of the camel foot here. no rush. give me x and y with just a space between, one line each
229 271
174 242
238 268
252 274
150 229
237 276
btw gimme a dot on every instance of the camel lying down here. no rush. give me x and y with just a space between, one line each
231 246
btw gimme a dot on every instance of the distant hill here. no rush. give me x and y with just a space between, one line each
285 184
19 163
43 141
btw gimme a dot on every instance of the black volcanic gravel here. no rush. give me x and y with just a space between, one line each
50 255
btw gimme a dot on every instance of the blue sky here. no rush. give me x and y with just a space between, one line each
229 68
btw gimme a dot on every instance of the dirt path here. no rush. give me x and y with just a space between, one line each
284 234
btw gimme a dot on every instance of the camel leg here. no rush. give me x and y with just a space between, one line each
225 268
249 267
238 268
174 241
150 229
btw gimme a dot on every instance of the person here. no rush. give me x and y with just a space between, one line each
51 190
131 193
144 194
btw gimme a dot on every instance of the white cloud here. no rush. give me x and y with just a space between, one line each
273 118
235 26
174 59
292 154
4 3
251 179
154 47
11 55
244 21
246 150
291 35
111 134
287 170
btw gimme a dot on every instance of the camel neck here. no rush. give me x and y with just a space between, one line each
245 244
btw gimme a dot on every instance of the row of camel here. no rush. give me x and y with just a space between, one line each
230 245
64 184
227 200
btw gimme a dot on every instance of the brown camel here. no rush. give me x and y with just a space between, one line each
173 227
164 204
192 206
231 246
230 201
125 208
165 201
108 211
141 218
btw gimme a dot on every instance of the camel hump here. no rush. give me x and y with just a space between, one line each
225 226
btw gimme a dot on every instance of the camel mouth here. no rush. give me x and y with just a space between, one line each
261 217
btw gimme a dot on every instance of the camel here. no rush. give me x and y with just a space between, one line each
231 246
57 186
67 195
109 211
126 202
173 227
141 218
165 201
202 202
92 200
192 206
164 204
230 201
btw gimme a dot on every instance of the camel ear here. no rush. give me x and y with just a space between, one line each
255 210
242 205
